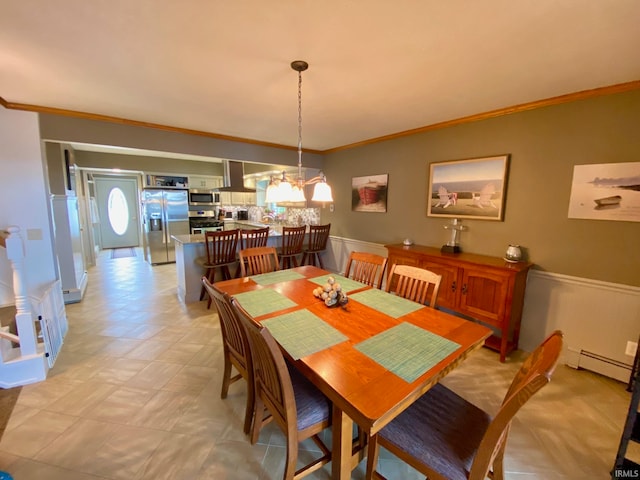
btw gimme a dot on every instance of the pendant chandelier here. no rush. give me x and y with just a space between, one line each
288 190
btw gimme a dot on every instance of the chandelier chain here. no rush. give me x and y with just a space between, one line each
299 124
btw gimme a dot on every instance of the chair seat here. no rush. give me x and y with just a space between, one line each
426 431
312 406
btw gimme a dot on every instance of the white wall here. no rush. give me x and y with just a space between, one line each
24 200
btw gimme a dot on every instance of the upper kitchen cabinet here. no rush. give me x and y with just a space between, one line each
206 182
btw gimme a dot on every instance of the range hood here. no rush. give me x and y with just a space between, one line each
234 177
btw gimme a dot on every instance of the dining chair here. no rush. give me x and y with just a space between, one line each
236 351
318 236
256 237
220 248
250 238
299 409
445 437
256 260
414 283
292 243
366 268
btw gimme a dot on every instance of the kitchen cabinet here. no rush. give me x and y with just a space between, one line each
483 288
243 198
205 182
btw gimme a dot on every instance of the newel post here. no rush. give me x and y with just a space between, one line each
24 319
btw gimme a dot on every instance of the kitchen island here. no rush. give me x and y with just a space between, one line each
188 249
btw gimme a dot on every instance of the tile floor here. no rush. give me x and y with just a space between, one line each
135 394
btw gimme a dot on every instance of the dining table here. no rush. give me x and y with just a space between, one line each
372 357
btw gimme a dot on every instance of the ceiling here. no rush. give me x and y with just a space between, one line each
377 67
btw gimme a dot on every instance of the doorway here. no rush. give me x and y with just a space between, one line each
117 200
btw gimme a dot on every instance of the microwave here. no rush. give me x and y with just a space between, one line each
204 197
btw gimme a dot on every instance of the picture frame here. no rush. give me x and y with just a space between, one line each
473 188
369 193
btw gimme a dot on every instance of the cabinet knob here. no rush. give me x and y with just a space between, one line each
464 289
453 286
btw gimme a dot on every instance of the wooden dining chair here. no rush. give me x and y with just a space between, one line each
366 268
299 409
318 236
236 351
292 243
414 283
257 260
220 248
444 436
256 237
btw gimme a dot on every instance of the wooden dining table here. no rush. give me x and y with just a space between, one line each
372 358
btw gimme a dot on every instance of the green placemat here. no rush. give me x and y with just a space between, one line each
407 350
387 303
263 301
276 277
301 333
347 284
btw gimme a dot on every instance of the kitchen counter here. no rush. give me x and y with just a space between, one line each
188 249
274 229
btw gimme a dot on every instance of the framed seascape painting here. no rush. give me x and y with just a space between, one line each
473 188
606 191
369 194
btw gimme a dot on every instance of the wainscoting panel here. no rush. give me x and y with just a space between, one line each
339 249
597 318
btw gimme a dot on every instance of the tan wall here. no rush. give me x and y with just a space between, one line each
69 129
544 145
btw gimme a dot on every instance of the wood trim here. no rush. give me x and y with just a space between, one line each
571 97
138 123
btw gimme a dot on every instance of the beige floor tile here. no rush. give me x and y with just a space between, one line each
39 431
135 395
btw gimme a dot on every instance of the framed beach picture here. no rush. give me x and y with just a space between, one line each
473 188
369 193
606 191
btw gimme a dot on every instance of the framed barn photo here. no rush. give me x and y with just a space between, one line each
474 188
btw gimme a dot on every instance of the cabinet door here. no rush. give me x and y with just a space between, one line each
483 294
237 198
225 198
197 182
449 285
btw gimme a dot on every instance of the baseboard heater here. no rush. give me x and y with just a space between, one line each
579 358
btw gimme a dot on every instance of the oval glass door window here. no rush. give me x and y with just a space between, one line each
118 211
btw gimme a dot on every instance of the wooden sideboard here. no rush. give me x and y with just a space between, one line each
487 289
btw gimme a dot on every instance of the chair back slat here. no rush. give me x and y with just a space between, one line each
233 336
254 238
318 236
257 260
221 246
414 283
367 268
271 376
293 239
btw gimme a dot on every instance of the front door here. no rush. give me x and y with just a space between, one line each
117 200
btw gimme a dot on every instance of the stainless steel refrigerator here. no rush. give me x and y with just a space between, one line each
165 213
